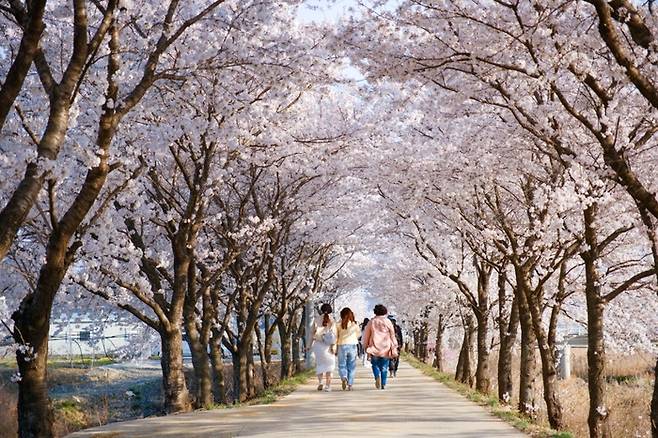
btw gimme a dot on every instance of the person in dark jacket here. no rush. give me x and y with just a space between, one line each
394 363
361 351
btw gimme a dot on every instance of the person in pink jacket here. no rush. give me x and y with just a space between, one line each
380 343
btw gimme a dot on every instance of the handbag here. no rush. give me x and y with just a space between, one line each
392 352
328 337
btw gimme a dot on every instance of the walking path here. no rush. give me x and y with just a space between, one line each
413 405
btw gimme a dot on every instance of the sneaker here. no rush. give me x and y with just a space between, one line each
378 382
320 387
349 388
344 383
327 388
383 387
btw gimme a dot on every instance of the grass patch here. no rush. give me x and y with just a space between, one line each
60 362
504 412
72 413
623 380
281 389
274 393
8 362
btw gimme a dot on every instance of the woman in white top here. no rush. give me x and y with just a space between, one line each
322 345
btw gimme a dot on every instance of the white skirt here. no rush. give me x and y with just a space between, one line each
325 360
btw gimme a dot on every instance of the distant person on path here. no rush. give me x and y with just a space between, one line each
322 345
380 343
395 362
362 351
348 339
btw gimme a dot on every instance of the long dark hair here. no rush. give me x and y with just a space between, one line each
365 323
325 310
346 315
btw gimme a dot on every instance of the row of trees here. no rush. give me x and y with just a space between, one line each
167 160
198 167
532 191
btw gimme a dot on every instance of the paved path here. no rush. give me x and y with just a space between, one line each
412 405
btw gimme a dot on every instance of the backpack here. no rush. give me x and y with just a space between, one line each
328 337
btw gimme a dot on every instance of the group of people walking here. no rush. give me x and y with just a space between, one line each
378 340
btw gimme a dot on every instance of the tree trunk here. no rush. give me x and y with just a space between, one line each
296 354
528 355
251 371
218 370
35 414
267 348
597 418
459 369
471 352
203 396
416 336
32 321
33 23
424 338
297 327
438 345
264 364
598 412
243 357
464 374
549 372
482 316
241 375
527 369
284 336
551 397
482 370
654 403
508 332
236 392
176 396
31 327
201 365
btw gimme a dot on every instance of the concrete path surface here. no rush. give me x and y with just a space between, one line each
412 405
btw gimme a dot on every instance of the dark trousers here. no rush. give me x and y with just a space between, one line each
393 365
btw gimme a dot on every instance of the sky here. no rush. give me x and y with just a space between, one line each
331 11
326 11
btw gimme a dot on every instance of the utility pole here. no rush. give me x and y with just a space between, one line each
565 362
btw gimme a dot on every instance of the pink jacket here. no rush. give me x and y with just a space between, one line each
379 338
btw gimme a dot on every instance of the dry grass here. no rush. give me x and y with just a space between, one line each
629 390
628 393
617 367
628 404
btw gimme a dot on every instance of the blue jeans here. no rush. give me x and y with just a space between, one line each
380 367
347 362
